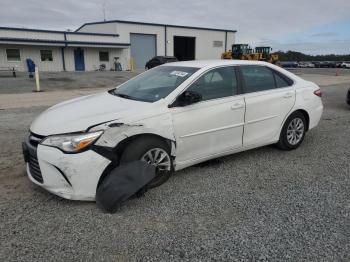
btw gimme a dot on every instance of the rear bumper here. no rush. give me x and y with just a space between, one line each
315 116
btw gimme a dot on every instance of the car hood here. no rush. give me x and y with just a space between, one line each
81 113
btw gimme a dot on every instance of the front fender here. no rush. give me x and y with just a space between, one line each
117 131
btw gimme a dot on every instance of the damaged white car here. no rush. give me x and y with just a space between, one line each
173 116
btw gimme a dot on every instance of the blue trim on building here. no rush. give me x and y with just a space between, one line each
65 42
56 31
155 24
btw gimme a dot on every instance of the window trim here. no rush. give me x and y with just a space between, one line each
239 85
41 60
273 71
13 61
99 56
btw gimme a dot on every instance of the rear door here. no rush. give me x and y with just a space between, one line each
269 97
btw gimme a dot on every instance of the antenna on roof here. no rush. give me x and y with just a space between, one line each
104 11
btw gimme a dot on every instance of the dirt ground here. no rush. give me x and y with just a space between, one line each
260 205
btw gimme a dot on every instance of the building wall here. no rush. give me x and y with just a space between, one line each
204 38
92 59
204 43
231 39
32 52
124 31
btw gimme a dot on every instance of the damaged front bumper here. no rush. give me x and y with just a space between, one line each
71 176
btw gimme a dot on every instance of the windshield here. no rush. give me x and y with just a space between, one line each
154 84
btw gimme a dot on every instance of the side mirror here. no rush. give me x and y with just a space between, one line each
187 98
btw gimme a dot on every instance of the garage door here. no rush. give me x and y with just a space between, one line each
143 48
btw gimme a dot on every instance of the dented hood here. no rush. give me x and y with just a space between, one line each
81 113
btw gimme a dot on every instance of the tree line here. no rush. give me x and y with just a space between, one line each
298 56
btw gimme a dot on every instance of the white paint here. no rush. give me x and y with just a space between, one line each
198 132
37 79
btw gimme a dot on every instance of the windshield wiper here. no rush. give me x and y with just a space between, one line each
124 96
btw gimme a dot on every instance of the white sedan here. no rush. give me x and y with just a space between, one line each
173 116
345 65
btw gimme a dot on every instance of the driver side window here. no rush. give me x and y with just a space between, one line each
217 83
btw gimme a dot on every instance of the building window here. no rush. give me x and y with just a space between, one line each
104 56
46 55
217 44
13 55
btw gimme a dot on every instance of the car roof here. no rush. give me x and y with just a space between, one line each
214 63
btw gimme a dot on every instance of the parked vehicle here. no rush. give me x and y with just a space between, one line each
316 64
348 97
289 64
160 60
328 64
339 64
306 65
172 116
345 65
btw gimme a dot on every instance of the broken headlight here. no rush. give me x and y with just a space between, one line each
72 143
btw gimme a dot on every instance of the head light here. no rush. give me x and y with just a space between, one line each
72 143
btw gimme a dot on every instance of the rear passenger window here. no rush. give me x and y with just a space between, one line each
282 80
257 78
217 83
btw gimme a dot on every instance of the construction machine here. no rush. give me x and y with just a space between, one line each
239 51
265 54
245 52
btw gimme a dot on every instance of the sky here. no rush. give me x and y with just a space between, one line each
309 26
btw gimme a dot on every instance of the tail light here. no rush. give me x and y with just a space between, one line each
318 93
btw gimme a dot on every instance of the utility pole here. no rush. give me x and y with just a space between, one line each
104 11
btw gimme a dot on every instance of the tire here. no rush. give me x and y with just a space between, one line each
137 149
290 140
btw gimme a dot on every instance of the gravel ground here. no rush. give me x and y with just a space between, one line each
263 204
51 81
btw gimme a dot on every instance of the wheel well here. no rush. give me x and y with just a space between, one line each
307 117
119 149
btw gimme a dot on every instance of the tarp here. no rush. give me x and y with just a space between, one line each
122 183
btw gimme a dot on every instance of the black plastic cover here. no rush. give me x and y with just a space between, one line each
122 183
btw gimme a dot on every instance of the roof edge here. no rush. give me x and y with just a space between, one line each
55 31
155 24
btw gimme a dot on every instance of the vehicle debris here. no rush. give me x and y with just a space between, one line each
123 182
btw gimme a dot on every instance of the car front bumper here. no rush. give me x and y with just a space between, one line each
71 176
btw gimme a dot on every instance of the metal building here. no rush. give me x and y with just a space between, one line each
99 43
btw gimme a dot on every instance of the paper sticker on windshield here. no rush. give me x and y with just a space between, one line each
179 73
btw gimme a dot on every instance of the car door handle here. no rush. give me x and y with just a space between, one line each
288 95
237 106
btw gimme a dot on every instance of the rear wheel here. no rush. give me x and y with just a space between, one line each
154 151
293 132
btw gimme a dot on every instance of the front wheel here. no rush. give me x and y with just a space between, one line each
293 132
155 152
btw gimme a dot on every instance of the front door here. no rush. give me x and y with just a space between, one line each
214 125
79 59
269 98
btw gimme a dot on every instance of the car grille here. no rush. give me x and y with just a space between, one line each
35 139
34 167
